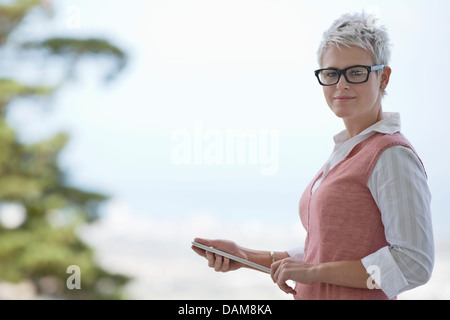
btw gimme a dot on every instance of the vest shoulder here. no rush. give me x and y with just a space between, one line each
366 154
386 140
377 143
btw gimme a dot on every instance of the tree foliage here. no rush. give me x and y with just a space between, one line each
41 247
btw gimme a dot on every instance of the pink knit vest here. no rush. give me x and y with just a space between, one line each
341 218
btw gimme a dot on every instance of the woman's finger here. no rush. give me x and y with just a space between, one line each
199 251
218 262
225 265
280 275
281 282
274 270
206 242
286 288
211 259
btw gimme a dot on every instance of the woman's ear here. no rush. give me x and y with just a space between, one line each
385 76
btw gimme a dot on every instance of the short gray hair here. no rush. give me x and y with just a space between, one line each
358 30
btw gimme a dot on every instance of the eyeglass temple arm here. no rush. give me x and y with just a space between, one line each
378 67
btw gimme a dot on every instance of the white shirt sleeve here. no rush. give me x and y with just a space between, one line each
398 184
296 253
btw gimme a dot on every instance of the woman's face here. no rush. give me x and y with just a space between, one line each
356 103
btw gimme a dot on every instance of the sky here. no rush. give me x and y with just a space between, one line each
217 124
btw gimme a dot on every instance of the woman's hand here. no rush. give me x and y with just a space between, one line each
219 263
341 273
291 269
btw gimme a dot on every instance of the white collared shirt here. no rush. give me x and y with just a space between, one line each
398 184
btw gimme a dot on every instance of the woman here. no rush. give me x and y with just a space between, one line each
367 211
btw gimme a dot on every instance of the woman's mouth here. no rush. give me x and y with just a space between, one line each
343 98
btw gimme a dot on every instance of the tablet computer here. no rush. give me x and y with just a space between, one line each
232 257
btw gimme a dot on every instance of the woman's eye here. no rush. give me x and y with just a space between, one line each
331 74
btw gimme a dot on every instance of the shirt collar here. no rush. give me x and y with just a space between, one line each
390 124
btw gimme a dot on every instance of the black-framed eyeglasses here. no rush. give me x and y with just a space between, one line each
355 74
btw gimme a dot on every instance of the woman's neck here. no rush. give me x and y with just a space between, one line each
355 126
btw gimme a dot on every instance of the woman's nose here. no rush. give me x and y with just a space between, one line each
342 84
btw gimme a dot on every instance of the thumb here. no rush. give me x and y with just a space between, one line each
206 242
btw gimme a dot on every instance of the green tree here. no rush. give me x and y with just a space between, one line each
41 247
